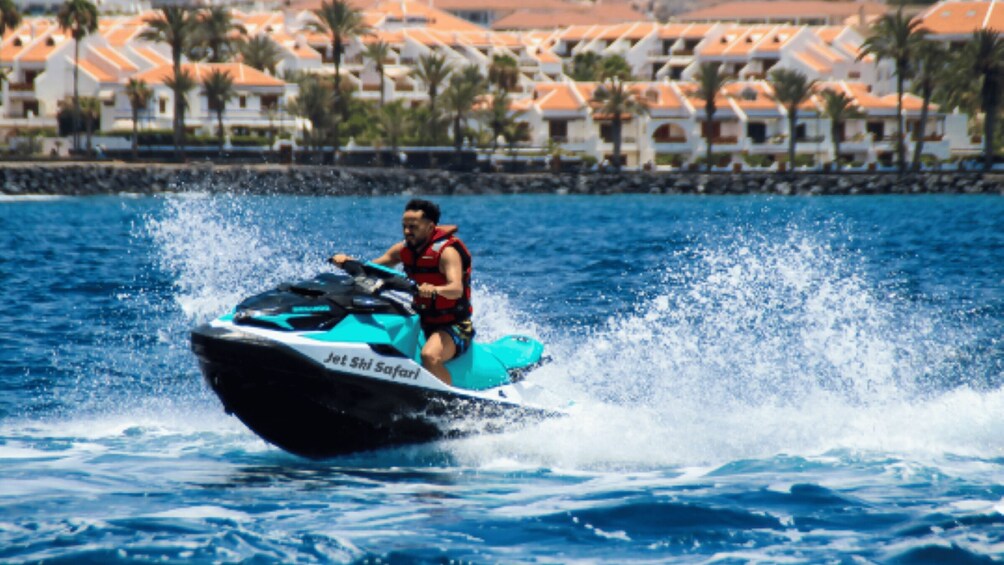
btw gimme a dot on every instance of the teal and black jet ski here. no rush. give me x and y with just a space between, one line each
331 365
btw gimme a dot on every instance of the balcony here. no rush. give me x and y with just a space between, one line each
22 86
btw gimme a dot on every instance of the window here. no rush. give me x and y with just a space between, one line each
756 131
163 105
558 130
607 132
269 101
243 101
877 129
669 133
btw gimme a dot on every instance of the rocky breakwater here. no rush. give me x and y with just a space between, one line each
91 179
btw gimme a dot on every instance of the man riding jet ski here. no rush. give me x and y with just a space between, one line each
436 259
334 365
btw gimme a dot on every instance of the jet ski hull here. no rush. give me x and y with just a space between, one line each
314 411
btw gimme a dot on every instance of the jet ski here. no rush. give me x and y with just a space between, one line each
331 365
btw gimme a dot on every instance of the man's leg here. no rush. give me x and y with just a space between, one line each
439 348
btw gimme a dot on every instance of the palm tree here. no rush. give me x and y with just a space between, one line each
463 90
928 70
181 84
614 66
585 66
261 53
314 104
791 90
214 33
378 51
10 18
615 99
984 58
503 73
710 81
174 26
90 111
839 108
79 17
432 70
392 123
139 95
219 89
896 37
341 22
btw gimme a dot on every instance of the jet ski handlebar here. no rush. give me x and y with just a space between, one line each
389 279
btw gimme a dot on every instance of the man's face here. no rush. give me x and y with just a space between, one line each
417 228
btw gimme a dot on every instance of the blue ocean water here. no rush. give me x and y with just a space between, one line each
756 380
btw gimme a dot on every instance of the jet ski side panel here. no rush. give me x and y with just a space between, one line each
316 411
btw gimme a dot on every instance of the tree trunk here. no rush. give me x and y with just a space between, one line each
219 124
989 100
918 147
380 70
336 52
76 95
834 136
709 135
792 136
617 142
900 141
90 131
989 125
135 134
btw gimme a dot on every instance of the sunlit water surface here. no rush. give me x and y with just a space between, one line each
754 379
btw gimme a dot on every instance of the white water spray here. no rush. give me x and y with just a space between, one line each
758 347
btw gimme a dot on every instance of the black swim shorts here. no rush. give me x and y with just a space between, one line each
462 334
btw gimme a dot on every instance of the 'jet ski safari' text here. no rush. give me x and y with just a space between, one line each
372 366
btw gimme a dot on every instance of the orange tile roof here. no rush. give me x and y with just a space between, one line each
556 97
117 59
782 10
957 18
657 95
870 102
697 31
579 32
96 72
21 35
498 5
40 51
828 33
242 74
435 18
122 34
151 54
546 56
689 89
776 38
752 96
614 32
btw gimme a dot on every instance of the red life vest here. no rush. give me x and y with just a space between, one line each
422 266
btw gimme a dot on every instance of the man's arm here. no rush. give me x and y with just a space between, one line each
390 257
452 268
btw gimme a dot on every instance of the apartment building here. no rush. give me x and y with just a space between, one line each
556 110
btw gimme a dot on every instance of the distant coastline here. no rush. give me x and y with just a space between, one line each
91 179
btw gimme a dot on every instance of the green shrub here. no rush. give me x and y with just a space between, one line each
671 159
758 160
717 160
248 140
